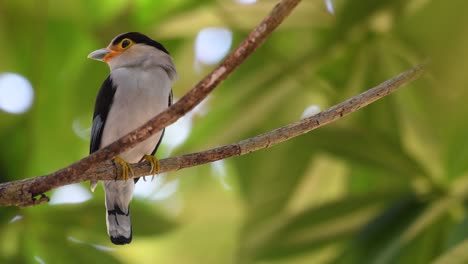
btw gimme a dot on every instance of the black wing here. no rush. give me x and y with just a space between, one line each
162 134
102 106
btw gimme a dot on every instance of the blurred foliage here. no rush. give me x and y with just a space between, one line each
388 184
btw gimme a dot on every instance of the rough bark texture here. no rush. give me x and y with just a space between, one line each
21 193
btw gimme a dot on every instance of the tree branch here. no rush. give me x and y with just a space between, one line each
271 138
24 194
11 193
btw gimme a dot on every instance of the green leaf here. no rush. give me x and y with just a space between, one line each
365 147
429 220
67 251
377 234
456 255
315 227
86 221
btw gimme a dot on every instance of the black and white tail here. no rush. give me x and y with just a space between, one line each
118 197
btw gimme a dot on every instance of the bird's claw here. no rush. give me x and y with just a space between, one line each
126 168
154 165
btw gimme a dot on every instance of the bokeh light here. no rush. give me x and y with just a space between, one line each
330 7
178 133
212 44
16 218
246 2
70 194
16 93
218 170
310 111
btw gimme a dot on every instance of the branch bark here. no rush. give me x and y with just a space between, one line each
12 193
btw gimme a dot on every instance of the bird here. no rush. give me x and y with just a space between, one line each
138 87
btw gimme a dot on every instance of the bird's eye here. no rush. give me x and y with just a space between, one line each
125 43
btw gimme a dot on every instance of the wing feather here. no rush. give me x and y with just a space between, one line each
164 129
102 106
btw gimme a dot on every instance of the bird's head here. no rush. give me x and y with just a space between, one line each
129 50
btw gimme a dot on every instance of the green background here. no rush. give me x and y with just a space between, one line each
388 184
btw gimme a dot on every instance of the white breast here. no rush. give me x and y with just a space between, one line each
140 95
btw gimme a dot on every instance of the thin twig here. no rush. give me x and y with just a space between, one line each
10 192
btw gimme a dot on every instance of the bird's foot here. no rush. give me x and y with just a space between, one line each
125 166
154 165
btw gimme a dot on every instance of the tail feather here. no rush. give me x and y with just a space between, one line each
118 197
